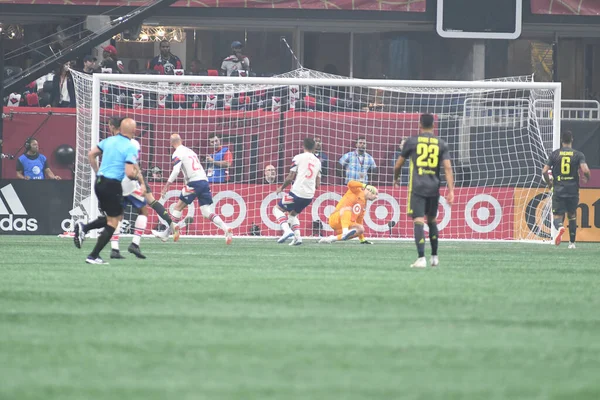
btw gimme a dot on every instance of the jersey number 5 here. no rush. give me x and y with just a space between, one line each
565 166
428 155
311 171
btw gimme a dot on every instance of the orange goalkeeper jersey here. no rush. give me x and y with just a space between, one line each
354 199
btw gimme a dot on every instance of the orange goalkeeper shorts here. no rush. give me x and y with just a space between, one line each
335 222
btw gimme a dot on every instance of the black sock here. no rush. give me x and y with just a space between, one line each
98 223
160 210
572 229
103 240
420 238
433 238
558 223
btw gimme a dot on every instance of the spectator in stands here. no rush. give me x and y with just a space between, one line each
111 60
196 67
133 67
358 164
165 63
89 65
322 157
237 61
63 88
32 165
270 174
219 162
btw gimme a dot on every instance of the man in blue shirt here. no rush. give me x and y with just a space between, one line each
32 164
218 164
358 164
119 159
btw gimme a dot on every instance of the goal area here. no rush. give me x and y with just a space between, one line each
498 138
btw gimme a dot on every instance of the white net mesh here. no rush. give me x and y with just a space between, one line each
498 141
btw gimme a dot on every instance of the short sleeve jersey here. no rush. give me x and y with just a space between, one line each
565 163
116 152
130 185
307 167
426 154
190 164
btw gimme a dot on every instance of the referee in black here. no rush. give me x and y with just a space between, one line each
119 158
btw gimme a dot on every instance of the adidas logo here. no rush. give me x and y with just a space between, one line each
11 205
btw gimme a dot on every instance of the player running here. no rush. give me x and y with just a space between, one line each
565 164
347 219
196 186
425 152
306 175
133 194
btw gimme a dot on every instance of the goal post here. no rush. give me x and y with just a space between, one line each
498 142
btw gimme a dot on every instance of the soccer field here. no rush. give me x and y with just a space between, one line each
256 320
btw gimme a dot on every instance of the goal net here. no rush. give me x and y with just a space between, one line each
498 143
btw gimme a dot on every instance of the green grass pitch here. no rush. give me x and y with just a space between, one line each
256 320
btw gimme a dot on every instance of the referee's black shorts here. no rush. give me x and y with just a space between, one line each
421 206
110 196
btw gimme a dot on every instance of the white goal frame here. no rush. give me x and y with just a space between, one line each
97 80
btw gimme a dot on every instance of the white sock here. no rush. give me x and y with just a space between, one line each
114 240
214 218
280 215
344 231
295 225
140 226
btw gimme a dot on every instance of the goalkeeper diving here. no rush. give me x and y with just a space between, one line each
347 219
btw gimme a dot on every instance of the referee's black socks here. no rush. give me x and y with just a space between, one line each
160 210
103 240
98 223
420 238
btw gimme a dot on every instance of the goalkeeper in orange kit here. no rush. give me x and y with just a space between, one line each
347 219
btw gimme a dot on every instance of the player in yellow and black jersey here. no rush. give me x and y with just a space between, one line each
427 154
565 164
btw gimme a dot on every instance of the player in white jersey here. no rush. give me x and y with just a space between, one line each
196 187
133 193
306 175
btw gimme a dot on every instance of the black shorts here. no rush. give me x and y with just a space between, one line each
110 196
562 205
420 206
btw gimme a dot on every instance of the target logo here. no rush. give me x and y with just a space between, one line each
381 211
323 206
483 213
265 211
356 209
231 207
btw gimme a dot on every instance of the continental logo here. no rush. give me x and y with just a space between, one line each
533 215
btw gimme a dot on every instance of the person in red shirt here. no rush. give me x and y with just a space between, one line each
165 63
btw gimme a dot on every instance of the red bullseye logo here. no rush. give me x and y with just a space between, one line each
323 206
382 211
265 211
483 213
231 207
